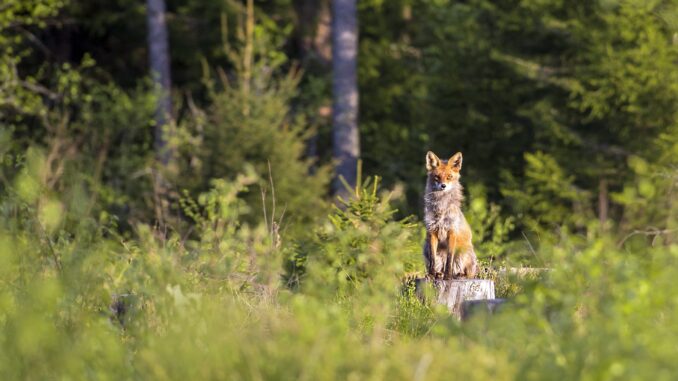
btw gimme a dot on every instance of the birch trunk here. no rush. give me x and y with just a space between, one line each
159 60
345 138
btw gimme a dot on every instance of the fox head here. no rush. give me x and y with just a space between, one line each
443 175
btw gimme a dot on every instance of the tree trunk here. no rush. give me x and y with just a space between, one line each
603 203
345 138
314 42
159 58
314 34
453 293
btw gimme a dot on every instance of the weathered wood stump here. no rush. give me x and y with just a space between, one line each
452 293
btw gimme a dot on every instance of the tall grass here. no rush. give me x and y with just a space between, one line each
78 301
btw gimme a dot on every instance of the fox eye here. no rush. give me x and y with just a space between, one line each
449 177
437 178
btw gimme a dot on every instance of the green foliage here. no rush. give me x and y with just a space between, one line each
549 194
491 230
649 200
91 133
226 249
252 274
527 90
250 121
361 248
170 308
412 317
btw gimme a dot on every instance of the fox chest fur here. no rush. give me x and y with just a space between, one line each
442 212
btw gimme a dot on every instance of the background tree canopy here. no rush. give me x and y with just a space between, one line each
548 100
566 112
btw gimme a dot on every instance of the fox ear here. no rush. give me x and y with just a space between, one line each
432 161
455 161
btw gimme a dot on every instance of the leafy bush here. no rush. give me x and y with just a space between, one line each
250 120
361 247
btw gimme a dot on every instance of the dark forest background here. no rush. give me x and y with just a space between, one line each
550 102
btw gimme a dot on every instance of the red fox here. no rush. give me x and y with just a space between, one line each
448 250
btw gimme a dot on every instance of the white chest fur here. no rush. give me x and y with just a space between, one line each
442 211
443 221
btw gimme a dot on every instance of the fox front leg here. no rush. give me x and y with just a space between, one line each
432 240
448 266
450 270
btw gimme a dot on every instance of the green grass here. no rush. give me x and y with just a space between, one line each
217 305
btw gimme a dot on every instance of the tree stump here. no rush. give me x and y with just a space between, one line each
452 293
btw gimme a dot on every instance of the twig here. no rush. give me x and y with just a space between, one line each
274 231
263 204
55 256
270 179
186 235
650 232
282 215
40 90
534 252
35 40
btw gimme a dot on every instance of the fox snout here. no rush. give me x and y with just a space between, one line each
439 186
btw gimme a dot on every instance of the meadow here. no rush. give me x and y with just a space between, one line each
227 303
